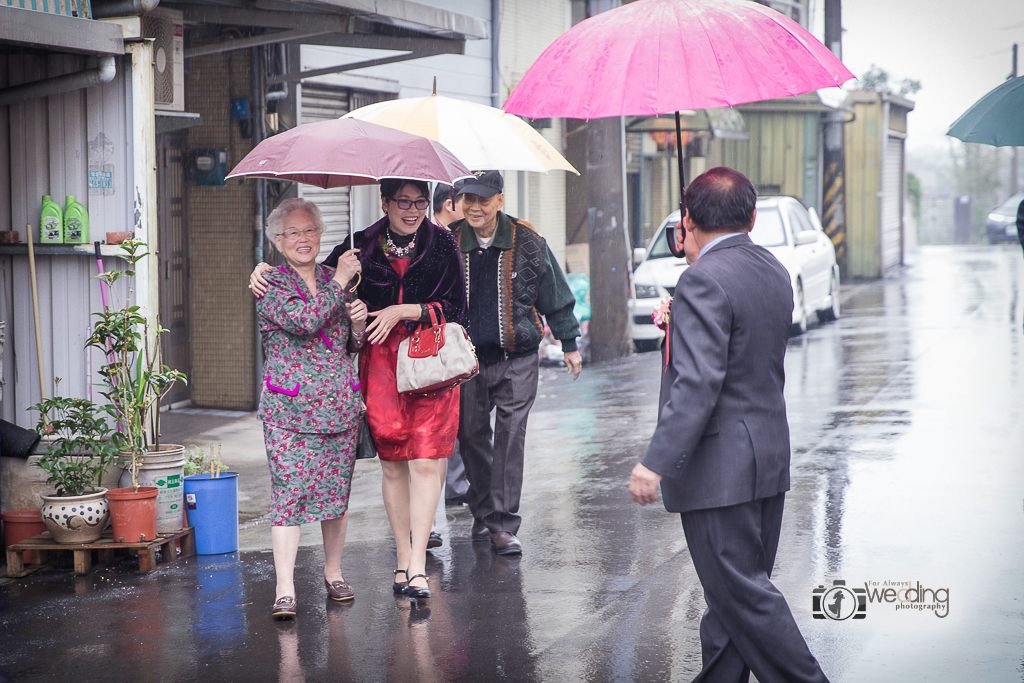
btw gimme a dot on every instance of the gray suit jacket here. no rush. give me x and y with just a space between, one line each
722 436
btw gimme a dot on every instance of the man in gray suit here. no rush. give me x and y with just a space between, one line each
721 447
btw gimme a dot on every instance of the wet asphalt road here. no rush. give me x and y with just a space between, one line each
907 467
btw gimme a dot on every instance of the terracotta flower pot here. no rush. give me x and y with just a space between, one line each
133 513
76 519
163 469
20 525
119 237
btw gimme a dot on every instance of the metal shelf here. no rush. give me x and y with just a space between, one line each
59 249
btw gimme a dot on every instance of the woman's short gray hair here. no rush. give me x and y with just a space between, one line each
275 221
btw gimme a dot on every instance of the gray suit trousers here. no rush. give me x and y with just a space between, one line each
747 625
494 460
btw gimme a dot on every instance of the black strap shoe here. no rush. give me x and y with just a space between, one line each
398 587
413 591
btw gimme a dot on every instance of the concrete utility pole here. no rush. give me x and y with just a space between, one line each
1014 161
609 257
833 213
609 260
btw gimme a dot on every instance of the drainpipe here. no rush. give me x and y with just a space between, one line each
103 73
276 95
495 53
258 95
101 9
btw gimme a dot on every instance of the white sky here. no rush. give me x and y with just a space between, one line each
958 49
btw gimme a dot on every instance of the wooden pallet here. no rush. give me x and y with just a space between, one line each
43 546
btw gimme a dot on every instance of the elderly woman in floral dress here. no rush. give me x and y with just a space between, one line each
309 403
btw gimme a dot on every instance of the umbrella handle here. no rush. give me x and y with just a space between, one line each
670 235
359 278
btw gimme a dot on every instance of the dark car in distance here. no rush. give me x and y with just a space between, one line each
1001 223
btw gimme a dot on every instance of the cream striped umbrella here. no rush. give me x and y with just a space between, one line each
479 136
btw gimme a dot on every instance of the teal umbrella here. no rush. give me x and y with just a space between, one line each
996 119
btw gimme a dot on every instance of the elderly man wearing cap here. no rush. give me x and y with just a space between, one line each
512 279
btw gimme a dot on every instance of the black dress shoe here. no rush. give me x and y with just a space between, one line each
506 543
398 587
480 531
435 540
455 501
413 591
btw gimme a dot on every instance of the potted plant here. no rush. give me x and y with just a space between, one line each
135 381
80 452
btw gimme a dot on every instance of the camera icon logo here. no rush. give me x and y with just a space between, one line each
839 603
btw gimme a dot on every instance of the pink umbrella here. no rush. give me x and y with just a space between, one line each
657 56
343 152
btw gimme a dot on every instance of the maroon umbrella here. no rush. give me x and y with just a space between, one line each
343 152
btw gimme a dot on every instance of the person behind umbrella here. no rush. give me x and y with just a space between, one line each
447 210
1020 224
309 403
408 262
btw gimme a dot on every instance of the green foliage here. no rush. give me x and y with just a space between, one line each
914 194
194 459
876 78
82 450
135 378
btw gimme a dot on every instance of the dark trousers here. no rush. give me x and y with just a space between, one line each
494 459
747 625
455 482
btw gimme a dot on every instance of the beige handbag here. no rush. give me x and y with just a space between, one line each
435 358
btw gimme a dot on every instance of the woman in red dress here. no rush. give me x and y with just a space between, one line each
407 263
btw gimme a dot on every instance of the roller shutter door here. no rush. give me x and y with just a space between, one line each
892 205
320 103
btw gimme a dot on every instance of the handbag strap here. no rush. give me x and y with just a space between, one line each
435 312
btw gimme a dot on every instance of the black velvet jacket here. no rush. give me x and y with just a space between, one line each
434 273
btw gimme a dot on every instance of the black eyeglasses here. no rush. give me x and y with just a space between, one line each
406 204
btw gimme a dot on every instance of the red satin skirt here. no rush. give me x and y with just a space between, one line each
403 426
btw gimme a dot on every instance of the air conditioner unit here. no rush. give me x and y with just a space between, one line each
166 28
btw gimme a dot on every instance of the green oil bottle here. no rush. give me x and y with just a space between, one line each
51 222
76 222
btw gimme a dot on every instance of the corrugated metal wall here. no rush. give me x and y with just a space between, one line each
863 181
773 158
51 145
892 205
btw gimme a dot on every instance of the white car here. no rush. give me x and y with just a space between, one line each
785 228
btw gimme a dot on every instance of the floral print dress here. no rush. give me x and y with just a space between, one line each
309 402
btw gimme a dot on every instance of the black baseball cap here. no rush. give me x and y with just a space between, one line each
484 184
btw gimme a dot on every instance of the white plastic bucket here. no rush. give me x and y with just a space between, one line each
167 475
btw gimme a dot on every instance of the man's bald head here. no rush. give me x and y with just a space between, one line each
721 200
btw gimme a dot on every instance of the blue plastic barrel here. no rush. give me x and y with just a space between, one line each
212 507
